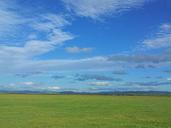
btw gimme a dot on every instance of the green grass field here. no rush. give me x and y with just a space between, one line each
84 111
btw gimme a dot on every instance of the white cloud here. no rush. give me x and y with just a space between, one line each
76 49
53 88
30 86
34 47
96 9
100 83
162 38
165 27
23 85
169 79
50 22
38 47
52 25
163 41
29 83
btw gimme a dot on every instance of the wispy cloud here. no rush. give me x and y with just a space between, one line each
10 20
162 38
22 55
96 9
50 22
50 25
35 47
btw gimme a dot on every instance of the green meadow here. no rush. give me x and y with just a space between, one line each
84 111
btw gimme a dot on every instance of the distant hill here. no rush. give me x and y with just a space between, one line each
91 93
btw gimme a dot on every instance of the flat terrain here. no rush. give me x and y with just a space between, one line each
84 111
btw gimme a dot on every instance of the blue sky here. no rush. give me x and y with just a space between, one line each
85 45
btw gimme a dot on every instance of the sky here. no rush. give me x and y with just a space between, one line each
85 45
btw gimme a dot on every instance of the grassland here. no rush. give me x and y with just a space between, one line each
84 111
